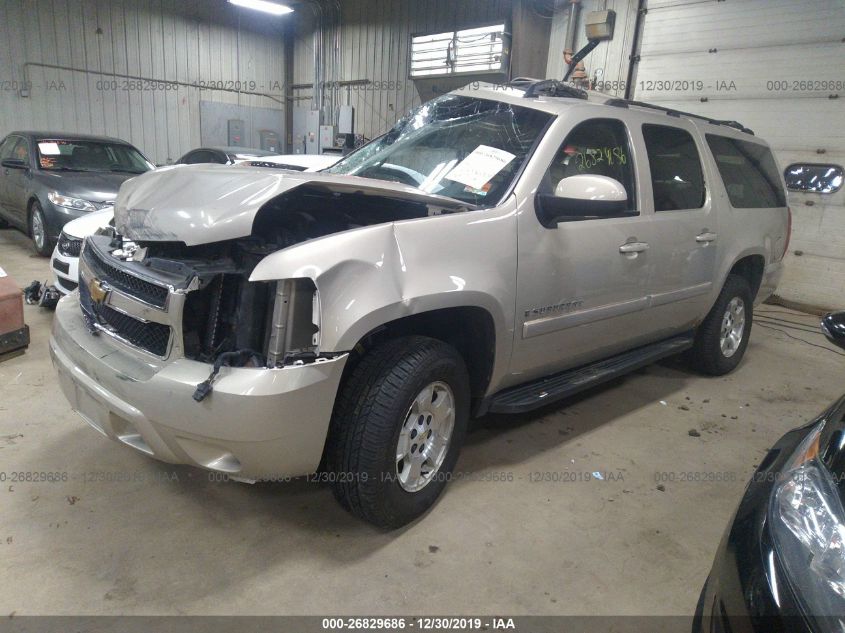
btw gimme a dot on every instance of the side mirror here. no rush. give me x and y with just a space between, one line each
583 197
833 326
14 163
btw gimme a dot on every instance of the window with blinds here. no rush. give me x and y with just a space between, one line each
477 50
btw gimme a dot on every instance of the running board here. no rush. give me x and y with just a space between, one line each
536 394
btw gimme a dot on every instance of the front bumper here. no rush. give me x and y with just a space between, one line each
257 424
65 271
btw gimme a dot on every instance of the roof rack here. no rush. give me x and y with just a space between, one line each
548 87
624 103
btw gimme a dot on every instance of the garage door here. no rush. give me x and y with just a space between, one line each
777 66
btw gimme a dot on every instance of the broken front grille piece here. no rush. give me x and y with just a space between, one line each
151 337
135 286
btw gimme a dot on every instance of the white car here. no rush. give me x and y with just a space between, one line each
65 259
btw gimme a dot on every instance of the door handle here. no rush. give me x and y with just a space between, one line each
705 237
633 247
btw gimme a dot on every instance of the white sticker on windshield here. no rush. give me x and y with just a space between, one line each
480 166
49 149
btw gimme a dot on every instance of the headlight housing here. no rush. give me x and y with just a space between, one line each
807 524
77 204
139 225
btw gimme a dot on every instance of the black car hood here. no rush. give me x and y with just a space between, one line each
96 186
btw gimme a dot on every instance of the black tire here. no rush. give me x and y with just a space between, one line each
36 214
707 355
371 409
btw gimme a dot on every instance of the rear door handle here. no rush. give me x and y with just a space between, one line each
633 247
705 237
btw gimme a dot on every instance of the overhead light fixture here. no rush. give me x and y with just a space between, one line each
263 5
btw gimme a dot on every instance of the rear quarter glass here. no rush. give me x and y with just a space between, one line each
749 173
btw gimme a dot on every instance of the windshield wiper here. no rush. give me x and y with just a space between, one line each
126 171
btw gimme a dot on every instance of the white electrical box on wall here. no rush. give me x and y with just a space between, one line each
327 137
346 120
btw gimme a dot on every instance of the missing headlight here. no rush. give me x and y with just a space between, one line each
294 323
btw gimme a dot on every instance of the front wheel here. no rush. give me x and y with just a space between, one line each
38 231
722 337
397 430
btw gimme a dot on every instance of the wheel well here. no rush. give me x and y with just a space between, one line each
470 330
751 269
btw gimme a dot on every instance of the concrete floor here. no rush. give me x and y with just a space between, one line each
169 541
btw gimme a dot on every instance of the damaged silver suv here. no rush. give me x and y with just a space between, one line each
499 249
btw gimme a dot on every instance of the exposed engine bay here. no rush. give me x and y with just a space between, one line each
225 318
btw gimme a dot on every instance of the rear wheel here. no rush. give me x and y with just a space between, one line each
722 338
38 231
397 429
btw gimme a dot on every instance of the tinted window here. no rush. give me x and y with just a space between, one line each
6 147
16 148
749 172
813 177
201 156
72 155
676 175
599 147
21 151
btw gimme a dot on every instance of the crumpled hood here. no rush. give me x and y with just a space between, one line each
200 204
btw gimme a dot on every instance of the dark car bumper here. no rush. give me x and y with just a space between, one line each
747 590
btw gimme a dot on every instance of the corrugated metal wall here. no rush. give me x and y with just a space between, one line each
149 38
375 35
776 66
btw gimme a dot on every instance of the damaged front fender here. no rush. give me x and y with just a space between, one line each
373 275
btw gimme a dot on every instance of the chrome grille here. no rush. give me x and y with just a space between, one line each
152 337
134 286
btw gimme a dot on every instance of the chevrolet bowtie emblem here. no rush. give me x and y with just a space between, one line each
98 290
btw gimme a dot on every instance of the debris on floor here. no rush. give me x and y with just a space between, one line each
43 295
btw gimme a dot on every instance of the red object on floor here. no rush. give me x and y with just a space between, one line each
14 333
